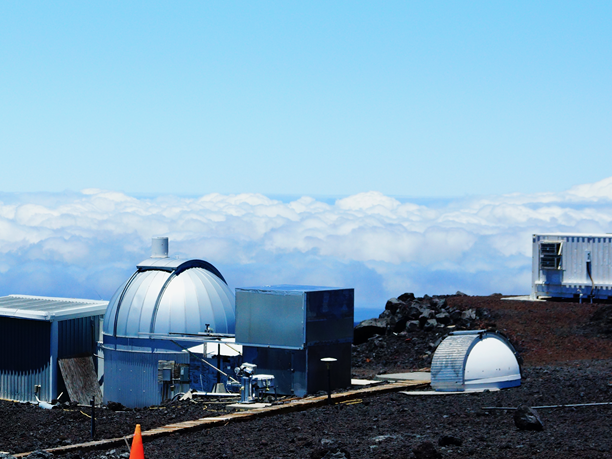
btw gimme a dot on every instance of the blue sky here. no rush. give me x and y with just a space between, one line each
411 99
386 146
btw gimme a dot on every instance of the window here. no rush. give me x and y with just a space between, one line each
550 255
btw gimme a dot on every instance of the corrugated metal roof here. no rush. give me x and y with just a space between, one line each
48 308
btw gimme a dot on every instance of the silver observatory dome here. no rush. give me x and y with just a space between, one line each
168 296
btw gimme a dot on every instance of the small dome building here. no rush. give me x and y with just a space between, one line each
475 360
152 317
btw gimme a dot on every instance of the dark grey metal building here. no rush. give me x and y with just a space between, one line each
35 332
287 329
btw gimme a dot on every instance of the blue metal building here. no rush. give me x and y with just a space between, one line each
35 332
166 306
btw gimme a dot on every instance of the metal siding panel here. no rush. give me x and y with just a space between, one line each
24 359
270 319
573 260
606 278
535 265
604 268
317 370
330 316
131 377
77 337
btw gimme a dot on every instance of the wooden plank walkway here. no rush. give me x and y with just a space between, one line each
241 416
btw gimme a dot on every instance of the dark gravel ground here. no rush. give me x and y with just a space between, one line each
567 357
26 427
390 426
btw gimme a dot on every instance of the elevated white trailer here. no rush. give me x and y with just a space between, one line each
575 266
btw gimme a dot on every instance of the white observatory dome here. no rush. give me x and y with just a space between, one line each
474 360
166 296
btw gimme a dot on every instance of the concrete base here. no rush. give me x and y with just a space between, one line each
363 382
439 392
412 376
523 298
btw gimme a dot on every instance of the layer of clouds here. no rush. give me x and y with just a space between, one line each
85 244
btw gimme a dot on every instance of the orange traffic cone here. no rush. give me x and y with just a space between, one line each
137 451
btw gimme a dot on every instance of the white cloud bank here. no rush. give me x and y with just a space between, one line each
85 244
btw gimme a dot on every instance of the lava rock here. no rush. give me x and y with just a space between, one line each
406 297
6 456
601 321
449 440
368 328
392 305
426 450
526 418
413 313
413 326
443 318
439 303
39 455
468 314
455 315
115 406
430 325
427 314
400 324
325 453
337 455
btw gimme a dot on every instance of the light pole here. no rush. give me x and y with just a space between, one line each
328 362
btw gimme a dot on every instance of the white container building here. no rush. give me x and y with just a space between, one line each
577 266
